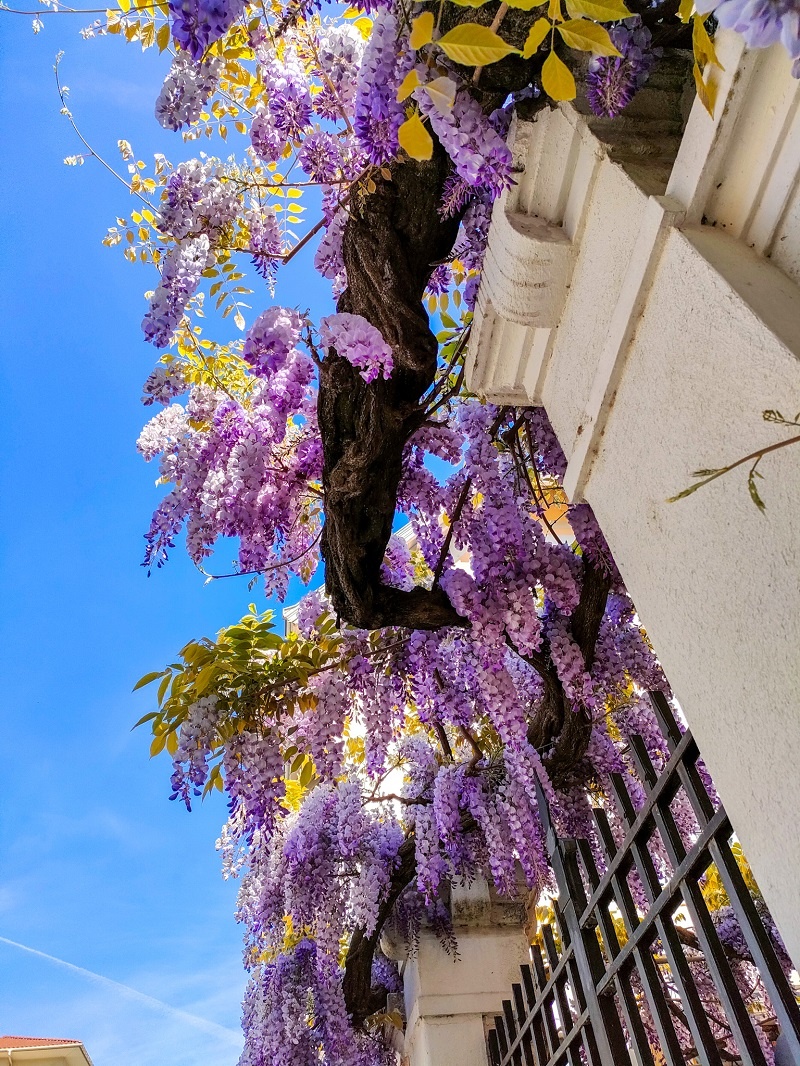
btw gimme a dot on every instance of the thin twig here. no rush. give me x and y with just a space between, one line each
757 456
462 499
264 569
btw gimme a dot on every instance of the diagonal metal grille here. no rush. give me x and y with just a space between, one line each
638 945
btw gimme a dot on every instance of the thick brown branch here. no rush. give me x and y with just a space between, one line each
391 242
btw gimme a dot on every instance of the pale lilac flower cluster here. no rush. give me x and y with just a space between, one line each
198 23
195 741
254 769
761 22
328 259
271 338
266 243
359 342
398 565
340 49
612 81
431 864
165 383
267 141
288 93
186 88
198 200
321 157
378 114
481 157
223 476
183 267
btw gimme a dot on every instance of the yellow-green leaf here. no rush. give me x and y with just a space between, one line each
471 3
125 5
524 5
442 92
706 90
422 30
557 79
588 36
704 51
554 11
685 10
599 10
539 30
472 45
147 679
409 84
162 37
415 139
158 744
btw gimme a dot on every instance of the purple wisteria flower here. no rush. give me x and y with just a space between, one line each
266 244
612 81
272 337
183 267
165 383
481 156
198 23
761 23
186 88
329 259
321 157
289 94
340 49
378 114
359 342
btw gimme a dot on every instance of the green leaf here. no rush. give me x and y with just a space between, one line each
588 36
539 30
147 679
307 774
162 688
754 496
205 677
473 45
145 718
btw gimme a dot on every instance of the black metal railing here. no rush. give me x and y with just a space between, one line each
638 946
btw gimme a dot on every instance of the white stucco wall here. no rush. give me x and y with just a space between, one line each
678 323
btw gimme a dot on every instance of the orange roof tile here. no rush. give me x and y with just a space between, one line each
12 1042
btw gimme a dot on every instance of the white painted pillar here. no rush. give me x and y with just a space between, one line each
446 996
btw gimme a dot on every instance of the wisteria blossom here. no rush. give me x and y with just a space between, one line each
359 342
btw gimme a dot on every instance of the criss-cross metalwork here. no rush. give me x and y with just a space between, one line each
603 997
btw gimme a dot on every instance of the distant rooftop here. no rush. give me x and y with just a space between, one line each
70 1052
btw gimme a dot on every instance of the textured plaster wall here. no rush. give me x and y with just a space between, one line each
717 583
605 249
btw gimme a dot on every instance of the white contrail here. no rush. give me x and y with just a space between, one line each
229 1035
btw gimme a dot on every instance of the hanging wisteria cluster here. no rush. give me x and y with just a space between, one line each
367 769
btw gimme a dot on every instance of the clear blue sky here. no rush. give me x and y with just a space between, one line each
97 868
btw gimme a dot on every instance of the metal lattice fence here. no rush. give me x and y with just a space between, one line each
624 985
